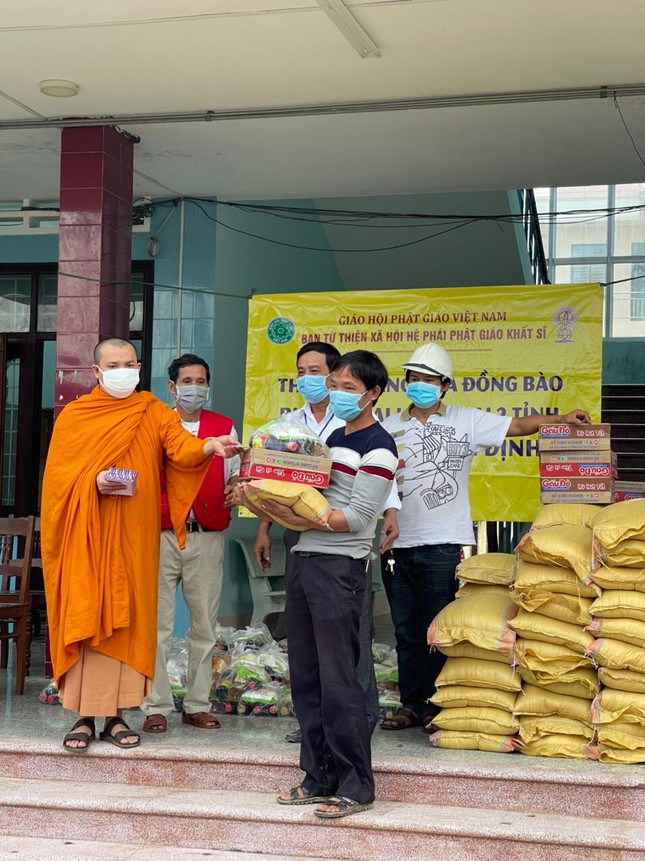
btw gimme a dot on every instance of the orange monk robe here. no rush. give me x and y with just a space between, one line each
101 553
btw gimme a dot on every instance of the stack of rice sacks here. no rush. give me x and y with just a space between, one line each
618 712
477 687
554 595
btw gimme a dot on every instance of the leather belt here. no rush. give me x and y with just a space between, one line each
193 526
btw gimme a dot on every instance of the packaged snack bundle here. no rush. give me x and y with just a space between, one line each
288 435
49 694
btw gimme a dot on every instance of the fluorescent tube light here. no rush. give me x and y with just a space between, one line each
340 15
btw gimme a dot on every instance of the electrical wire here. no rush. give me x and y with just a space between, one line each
630 135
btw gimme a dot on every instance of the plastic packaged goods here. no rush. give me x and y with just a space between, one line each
289 435
389 702
251 637
493 568
49 694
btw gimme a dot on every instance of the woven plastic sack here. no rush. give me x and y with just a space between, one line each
561 547
615 577
616 655
631 736
466 650
468 590
626 630
564 514
494 568
473 719
563 746
628 554
582 682
478 674
539 655
464 696
303 500
622 680
533 728
619 756
530 576
478 620
619 522
564 608
619 604
535 626
538 702
451 740
611 706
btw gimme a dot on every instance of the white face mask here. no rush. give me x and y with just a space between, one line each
192 398
119 382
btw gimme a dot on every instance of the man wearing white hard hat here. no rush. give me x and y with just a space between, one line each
436 445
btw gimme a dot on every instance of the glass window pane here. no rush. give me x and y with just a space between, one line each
628 301
47 302
580 228
581 273
136 302
543 203
629 227
15 303
10 432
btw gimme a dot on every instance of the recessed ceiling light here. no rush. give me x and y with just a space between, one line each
59 88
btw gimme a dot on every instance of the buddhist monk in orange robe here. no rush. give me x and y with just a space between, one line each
100 549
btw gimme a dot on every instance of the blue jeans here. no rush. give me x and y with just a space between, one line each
422 583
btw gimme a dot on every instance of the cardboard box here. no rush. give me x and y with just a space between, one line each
557 436
577 469
123 476
576 456
285 466
565 484
629 490
569 497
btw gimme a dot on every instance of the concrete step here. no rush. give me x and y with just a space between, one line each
44 848
458 778
252 822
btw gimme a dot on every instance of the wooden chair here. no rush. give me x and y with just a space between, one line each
16 548
267 584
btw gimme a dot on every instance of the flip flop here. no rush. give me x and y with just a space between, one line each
80 736
202 720
116 738
344 807
300 795
155 723
405 719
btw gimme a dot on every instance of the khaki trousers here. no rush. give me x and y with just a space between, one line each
200 569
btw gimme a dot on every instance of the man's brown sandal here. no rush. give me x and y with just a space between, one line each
300 795
84 737
155 723
202 720
405 719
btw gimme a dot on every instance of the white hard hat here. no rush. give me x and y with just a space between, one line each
430 359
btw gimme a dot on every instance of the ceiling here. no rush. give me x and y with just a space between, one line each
320 127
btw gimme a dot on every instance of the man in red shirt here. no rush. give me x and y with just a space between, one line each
200 567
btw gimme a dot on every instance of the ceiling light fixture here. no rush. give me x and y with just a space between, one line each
59 88
340 15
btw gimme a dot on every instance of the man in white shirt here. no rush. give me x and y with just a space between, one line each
436 447
314 362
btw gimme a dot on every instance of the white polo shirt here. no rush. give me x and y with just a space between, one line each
434 468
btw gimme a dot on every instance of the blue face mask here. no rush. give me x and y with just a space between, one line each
312 388
344 405
424 395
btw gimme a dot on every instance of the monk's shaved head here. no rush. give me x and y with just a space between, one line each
120 343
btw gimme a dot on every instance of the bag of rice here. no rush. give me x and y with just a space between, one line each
464 696
478 674
619 522
532 728
626 630
468 590
616 655
627 554
561 547
554 658
564 514
539 702
546 578
466 650
613 577
582 682
304 500
564 746
478 620
564 608
472 719
473 741
534 626
494 568
619 604
622 680
611 706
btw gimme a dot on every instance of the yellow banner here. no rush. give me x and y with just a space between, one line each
515 351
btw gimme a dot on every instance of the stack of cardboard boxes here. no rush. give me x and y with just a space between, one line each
576 463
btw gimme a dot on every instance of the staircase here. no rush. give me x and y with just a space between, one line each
164 800
623 407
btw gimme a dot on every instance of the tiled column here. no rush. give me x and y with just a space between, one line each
95 247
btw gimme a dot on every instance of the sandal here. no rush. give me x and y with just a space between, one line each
300 795
344 807
202 720
87 738
116 738
427 722
155 723
405 719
